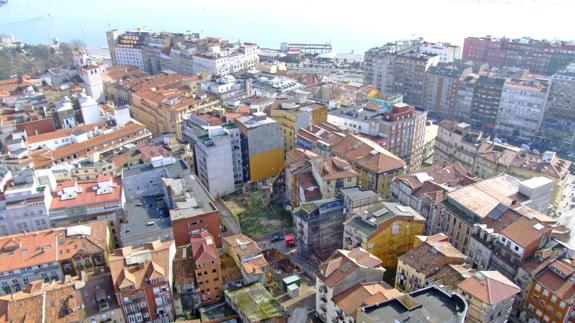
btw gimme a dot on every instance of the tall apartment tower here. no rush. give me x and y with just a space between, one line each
112 36
558 126
399 68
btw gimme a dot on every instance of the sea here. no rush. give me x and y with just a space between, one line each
350 26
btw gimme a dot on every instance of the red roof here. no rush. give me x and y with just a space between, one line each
87 195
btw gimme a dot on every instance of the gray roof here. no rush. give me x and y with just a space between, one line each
356 194
179 168
380 213
430 304
198 201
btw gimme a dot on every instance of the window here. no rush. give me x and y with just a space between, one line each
538 287
545 292
553 299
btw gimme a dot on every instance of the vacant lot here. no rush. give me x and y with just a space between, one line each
257 217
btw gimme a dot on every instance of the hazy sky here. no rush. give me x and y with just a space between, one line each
348 25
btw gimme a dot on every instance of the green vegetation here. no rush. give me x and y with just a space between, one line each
256 215
35 59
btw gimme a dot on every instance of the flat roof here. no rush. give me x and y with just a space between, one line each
355 193
142 227
198 201
173 170
425 305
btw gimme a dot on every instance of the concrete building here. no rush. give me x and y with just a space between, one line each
207 267
248 257
415 267
521 108
464 103
489 296
386 230
52 254
538 56
25 203
375 165
402 125
94 149
319 227
78 299
550 294
399 68
74 202
128 48
191 209
292 117
430 304
143 281
442 83
262 147
557 129
486 101
411 189
447 52
225 58
215 162
345 269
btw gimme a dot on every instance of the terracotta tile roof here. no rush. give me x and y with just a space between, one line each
34 127
150 260
255 265
43 302
310 187
563 287
451 275
431 255
46 157
203 247
490 287
60 133
558 168
445 174
149 151
40 247
364 294
333 168
343 262
87 195
366 154
526 232
242 245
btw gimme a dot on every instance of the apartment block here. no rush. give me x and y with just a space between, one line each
521 108
442 83
74 201
375 165
292 116
96 148
191 209
248 257
386 230
485 104
399 68
557 127
551 291
52 254
319 227
262 147
538 56
143 281
343 271
25 203
207 267
415 267
402 125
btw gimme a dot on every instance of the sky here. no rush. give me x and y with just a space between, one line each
349 25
